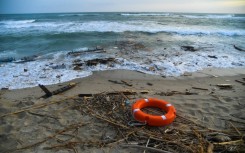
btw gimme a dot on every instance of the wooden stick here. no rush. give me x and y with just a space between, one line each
146 148
199 88
43 115
147 143
243 83
236 129
236 142
210 148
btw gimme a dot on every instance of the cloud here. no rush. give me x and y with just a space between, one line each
47 6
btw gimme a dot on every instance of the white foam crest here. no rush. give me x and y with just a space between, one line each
80 14
102 26
220 16
225 16
145 14
16 22
138 26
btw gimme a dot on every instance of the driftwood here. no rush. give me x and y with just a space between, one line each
123 92
127 83
225 86
243 83
145 148
130 45
58 91
171 93
85 95
48 93
27 59
199 88
122 82
189 48
97 61
210 56
237 48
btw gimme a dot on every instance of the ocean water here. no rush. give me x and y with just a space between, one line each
146 42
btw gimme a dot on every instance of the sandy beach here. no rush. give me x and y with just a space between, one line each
29 123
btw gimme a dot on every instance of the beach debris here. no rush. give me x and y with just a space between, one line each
225 86
48 93
7 59
212 56
187 74
189 48
238 48
126 92
199 88
58 91
61 66
149 84
144 92
242 82
218 137
171 93
78 64
77 68
127 83
111 111
85 95
130 45
114 81
27 59
95 50
94 62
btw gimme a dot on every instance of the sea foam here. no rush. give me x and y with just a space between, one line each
105 26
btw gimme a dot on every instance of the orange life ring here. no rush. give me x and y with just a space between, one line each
153 120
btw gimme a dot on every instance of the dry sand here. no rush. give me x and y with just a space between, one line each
211 106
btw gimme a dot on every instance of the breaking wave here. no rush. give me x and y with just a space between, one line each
106 26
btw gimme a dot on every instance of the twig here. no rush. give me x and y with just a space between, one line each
199 88
147 143
236 129
236 142
210 148
146 148
43 115
243 83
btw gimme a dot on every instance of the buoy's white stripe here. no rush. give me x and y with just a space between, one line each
135 110
147 100
168 105
164 117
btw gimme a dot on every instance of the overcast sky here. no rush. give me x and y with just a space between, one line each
50 6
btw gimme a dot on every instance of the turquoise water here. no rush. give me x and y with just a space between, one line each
50 36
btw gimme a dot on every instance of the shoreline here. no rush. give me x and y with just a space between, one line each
101 83
194 96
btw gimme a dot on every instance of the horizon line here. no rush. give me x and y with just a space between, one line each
117 12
